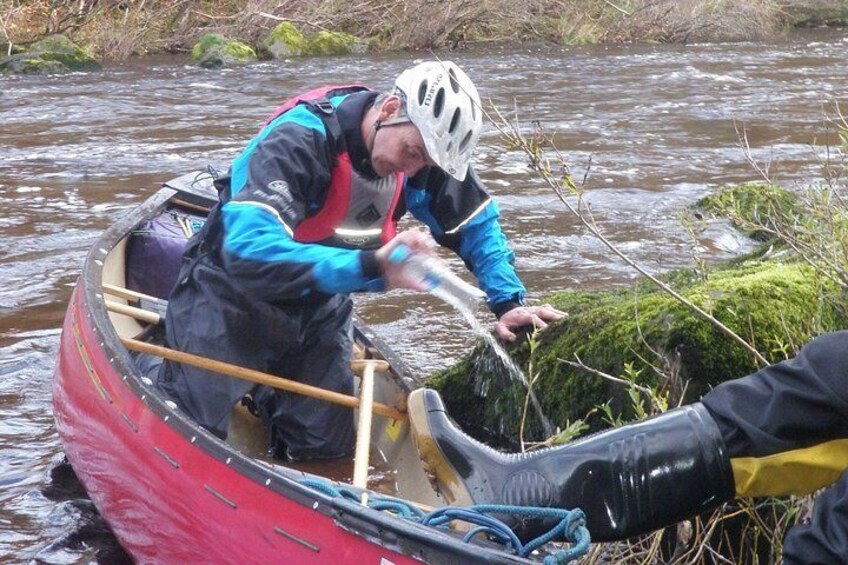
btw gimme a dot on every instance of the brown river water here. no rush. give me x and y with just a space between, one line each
77 151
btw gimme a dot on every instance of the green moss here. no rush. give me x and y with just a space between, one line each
206 42
239 51
333 43
53 54
26 65
72 62
778 306
285 40
214 51
748 205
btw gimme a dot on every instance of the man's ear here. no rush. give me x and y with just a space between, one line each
389 108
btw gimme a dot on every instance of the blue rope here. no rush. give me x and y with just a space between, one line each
571 524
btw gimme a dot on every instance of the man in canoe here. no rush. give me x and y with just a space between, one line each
779 431
307 215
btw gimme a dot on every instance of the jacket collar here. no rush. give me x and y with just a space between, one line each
350 114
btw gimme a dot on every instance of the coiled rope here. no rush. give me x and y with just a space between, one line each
571 524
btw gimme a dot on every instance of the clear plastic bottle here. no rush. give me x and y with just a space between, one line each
438 279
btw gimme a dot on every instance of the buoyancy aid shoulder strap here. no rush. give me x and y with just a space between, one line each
335 136
318 100
322 93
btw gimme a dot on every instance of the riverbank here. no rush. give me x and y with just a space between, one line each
116 30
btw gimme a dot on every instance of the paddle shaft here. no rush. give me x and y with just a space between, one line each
259 377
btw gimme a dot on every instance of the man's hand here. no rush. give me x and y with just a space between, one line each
418 243
537 316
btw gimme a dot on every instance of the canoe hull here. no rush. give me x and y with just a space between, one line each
185 506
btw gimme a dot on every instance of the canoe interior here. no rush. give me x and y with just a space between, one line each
395 468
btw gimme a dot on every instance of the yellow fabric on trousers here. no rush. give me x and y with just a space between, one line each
798 472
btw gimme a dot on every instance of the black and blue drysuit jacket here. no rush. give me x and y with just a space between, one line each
280 179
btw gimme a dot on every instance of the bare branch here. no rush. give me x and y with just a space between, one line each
742 135
564 186
618 380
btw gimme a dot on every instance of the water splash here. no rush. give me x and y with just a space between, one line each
513 370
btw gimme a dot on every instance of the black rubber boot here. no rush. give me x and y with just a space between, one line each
628 481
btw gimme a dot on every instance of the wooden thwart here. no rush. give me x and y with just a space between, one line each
358 366
133 312
363 428
128 294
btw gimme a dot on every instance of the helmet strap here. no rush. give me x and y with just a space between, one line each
397 120
378 124
369 143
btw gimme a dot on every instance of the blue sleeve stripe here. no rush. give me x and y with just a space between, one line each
236 204
482 245
254 232
299 115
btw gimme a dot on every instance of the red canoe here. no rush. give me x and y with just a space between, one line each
174 493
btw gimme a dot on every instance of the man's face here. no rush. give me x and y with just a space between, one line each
399 148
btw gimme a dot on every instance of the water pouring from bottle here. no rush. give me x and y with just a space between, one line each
443 283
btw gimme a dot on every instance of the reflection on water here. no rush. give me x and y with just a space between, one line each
656 122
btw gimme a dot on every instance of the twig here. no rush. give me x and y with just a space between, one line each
580 365
746 149
211 17
619 8
4 23
293 20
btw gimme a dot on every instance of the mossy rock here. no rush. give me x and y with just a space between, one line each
284 41
780 304
750 205
830 13
215 51
53 54
326 43
25 64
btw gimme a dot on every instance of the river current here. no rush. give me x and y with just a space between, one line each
657 123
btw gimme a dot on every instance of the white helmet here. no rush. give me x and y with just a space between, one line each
442 102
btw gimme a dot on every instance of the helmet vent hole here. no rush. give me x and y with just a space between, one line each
453 82
422 92
465 140
439 103
454 120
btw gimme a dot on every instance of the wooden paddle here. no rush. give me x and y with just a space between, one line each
260 377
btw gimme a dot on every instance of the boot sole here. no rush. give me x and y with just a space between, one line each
444 478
